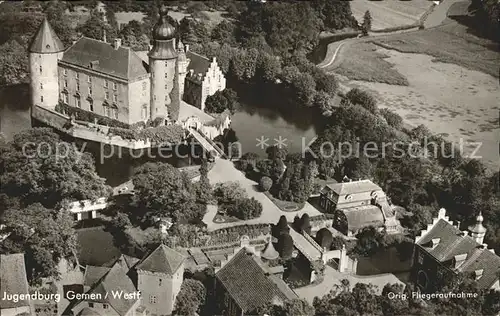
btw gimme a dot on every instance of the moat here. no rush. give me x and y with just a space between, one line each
250 123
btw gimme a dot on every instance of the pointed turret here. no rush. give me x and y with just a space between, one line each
477 231
46 40
269 252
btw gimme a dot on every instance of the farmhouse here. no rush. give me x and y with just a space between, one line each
443 250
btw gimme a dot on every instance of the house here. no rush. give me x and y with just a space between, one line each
358 204
243 284
110 80
157 277
13 280
443 250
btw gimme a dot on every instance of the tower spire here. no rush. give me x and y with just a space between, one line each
477 231
46 40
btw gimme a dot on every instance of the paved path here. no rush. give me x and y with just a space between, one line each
333 277
224 171
204 142
304 246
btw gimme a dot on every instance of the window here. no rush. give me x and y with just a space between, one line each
152 299
41 86
166 86
78 86
77 76
106 95
41 99
91 105
144 112
90 90
115 86
65 72
65 83
144 86
105 306
106 110
89 79
77 101
106 85
420 258
65 98
115 98
159 283
91 305
40 69
166 75
114 112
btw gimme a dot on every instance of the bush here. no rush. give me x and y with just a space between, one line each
244 208
86 116
228 192
173 134
265 183
363 98
392 118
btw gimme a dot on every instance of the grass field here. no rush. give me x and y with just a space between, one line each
390 13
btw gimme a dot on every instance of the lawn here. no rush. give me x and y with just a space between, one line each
386 14
285 206
362 61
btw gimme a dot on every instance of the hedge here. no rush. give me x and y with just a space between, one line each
162 134
82 115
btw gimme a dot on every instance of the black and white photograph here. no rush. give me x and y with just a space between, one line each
250 158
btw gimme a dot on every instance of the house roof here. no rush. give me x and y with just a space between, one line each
116 279
362 216
283 287
13 279
87 311
187 110
198 63
121 62
246 282
452 242
344 188
161 260
94 274
269 252
46 40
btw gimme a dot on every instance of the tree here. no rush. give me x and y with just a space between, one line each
420 217
281 227
45 235
220 101
203 187
37 167
192 32
324 238
305 224
265 183
244 209
363 98
369 241
191 296
285 246
96 27
337 243
162 190
367 23
120 221
13 63
224 32
335 14
229 192
295 307
392 118
275 152
358 168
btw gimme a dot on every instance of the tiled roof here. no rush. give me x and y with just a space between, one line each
94 274
362 216
343 188
246 282
198 63
452 242
116 280
87 311
122 62
13 279
46 40
162 260
186 110
284 288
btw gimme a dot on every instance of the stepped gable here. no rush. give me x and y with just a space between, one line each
120 62
46 40
161 260
247 283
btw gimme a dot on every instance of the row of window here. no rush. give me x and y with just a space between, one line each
109 110
106 94
104 306
89 79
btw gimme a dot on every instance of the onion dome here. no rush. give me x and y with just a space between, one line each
163 30
478 228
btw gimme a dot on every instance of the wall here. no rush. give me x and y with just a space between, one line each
15 311
139 95
163 90
192 93
99 308
44 83
98 90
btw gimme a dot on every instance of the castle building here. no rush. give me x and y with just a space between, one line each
158 277
111 80
442 251
358 204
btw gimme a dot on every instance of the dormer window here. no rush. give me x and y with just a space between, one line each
348 197
459 259
478 273
435 242
65 72
94 64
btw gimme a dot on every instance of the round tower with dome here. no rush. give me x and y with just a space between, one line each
477 231
163 67
44 52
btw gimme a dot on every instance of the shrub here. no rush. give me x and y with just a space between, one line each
392 118
244 208
363 98
285 246
229 192
265 183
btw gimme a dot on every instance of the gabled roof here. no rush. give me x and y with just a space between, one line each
116 279
344 188
46 40
247 283
94 274
121 62
363 216
161 260
13 279
453 242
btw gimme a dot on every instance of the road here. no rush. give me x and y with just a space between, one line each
224 171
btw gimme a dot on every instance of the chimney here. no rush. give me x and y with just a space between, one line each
191 72
104 39
435 242
186 48
117 43
442 213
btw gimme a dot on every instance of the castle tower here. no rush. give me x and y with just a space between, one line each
159 279
163 68
182 64
44 52
477 231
